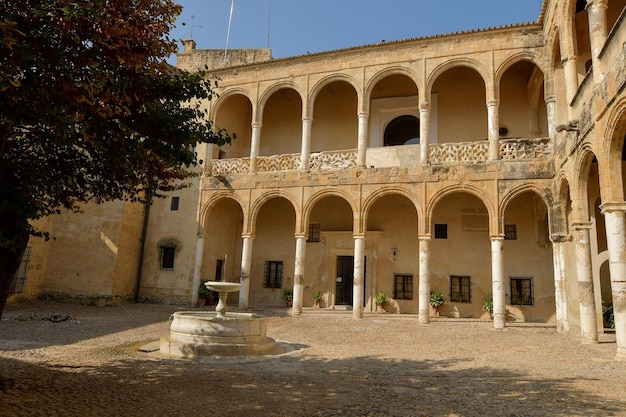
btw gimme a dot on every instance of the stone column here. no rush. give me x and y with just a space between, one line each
362 140
197 268
616 240
497 282
596 14
424 282
494 130
254 145
551 113
587 304
246 265
424 132
571 81
305 153
359 269
560 282
298 282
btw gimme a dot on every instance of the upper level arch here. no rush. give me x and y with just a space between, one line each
274 88
453 63
315 90
614 149
373 82
226 95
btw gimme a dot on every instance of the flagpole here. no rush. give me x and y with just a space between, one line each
269 23
230 19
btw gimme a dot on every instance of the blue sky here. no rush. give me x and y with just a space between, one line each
298 26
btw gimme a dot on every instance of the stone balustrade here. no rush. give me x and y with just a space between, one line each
440 153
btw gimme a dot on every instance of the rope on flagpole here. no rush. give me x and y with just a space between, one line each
230 19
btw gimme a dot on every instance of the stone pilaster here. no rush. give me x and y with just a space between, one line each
197 268
497 282
359 270
571 82
560 282
551 113
616 240
246 265
298 285
424 280
586 301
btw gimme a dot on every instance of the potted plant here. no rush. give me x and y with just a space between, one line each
381 300
203 294
436 301
317 297
488 305
288 296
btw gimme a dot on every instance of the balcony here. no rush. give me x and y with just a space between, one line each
389 157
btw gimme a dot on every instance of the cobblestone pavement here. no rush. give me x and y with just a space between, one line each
68 360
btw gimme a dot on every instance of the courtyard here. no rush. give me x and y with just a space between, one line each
71 360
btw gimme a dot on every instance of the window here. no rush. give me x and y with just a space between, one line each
314 232
403 287
219 269
273 274
510 232
167 257
18 282
174 203
460 289
521 291
441 231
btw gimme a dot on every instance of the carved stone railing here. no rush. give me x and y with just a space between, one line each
229 166
459 152
523 149
289 162
332 161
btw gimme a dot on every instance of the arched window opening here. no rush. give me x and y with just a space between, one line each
403 130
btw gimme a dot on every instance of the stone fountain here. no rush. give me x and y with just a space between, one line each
219 333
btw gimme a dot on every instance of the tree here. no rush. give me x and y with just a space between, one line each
90 110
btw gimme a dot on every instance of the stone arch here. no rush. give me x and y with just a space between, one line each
215 198
566 16
267 93
329 80
258 203
494 226
310 203
581 168
381 75
563 196
459 62
527 56
230 93
613 146
385 191
545 195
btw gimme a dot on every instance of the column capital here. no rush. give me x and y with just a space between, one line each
307 119
492 103
363 114
565 60
424 237
499 237
247 236
425 106
357 236
257 125
560 238
300 236
549 99
613 207
597 3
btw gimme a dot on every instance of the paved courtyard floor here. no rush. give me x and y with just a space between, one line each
68 360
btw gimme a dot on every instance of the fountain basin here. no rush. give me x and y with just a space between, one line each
195 333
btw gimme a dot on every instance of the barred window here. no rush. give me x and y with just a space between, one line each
441 231
18 282
219 269
314 232
460 289
167 257
403 287
510 232
273 274
522 291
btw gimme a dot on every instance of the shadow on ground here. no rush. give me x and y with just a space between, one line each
290 386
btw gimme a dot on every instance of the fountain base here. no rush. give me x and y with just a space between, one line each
195 333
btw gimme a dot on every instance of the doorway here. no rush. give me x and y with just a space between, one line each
345 280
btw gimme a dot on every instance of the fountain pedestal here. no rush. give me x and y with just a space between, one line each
218 333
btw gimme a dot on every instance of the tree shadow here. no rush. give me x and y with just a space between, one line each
292 386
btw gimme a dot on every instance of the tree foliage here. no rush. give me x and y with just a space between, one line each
90 110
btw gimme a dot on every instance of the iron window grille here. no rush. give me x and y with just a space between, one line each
460 289
18 282
273 277
510 232
314 232
403 287
441 231
174 203
167 257
521 291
